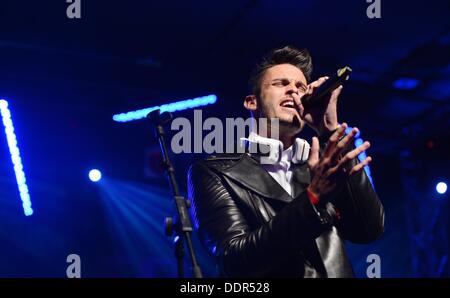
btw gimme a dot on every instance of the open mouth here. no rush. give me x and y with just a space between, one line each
288 103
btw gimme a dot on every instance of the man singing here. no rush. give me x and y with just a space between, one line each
289 215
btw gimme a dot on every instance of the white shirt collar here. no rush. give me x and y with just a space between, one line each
271 150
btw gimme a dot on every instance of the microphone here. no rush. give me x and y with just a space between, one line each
341 76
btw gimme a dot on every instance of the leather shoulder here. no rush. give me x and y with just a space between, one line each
224 157
223 160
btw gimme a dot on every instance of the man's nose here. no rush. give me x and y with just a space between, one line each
292 89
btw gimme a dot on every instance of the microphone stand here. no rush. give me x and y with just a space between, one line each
182 228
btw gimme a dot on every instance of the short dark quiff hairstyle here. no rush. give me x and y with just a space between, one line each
285 55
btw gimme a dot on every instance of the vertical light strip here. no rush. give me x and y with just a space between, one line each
15 157
362 156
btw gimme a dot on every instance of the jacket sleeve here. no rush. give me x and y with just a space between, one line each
223 228
362 213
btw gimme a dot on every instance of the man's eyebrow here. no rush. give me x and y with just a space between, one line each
286 79
280 79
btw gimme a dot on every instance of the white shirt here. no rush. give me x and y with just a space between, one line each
280 167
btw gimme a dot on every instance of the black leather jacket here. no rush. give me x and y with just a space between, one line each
256 229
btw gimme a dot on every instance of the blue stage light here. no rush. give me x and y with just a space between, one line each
15 157
95 175
405 83
349 129
171 107
441 188
362 156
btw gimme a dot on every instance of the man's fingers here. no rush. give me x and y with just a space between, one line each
314 85
361 165
314 153
354 153
341 145
334 139
335 94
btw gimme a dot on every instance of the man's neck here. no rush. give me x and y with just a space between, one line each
287 139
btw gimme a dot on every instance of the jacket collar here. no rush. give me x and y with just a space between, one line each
270 151
248 172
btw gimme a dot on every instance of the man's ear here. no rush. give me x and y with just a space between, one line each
250 102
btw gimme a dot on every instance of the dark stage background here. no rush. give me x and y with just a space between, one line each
65 78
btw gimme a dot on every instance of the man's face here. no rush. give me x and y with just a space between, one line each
280 84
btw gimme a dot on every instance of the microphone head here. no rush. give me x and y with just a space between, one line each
341 76
344 73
